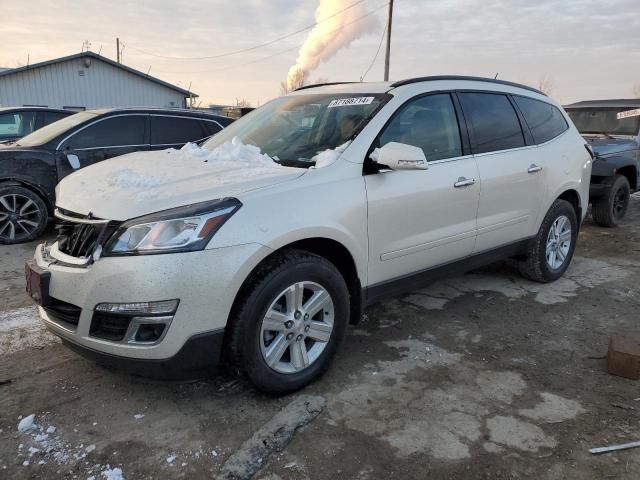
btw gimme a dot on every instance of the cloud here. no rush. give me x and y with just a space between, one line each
590 51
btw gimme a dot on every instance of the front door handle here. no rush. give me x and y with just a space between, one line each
533 168
464 182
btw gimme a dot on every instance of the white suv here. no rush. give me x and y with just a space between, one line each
261 246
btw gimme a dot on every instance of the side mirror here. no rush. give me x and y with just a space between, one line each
400 156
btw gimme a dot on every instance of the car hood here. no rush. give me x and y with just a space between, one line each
146 182
608 146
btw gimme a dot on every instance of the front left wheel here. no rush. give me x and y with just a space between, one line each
23 215
290 321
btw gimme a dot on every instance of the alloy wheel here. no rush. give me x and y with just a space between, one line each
297 327
20 216
558 242
619 203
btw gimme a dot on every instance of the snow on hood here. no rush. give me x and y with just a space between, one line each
145 182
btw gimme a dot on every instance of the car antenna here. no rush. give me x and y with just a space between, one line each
496 77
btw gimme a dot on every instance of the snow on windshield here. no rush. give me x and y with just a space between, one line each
327 157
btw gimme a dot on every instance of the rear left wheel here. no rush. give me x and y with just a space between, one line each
290 323
551 251
23 215
608 210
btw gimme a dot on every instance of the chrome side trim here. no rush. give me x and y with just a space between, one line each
91 221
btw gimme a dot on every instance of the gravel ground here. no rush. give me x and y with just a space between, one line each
485 375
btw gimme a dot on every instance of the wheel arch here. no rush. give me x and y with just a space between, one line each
15 182
573 197
631 173
331 250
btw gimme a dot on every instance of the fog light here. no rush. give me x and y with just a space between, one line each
149 332
139 308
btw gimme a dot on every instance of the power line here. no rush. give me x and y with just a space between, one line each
231 67
376 55
255 47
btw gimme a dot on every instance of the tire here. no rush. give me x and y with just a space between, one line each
274 288
23 215
540 267
608 210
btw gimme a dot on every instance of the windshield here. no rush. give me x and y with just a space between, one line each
51 131
599 121
292 130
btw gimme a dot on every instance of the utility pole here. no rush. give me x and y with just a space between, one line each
387 56
118 48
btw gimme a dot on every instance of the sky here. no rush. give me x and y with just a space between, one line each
586 49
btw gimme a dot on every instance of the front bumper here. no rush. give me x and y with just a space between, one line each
206 283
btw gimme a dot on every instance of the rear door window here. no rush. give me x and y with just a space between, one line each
119 131
493 122
429 123
50 117
545 121
175 130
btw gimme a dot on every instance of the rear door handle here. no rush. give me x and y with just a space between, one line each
533 168
464 182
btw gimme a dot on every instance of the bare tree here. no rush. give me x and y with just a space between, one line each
636 90
546 84
299 79
243 102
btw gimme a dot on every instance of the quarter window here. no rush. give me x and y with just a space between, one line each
493 121
112 132
429 123
17 124
210 128
545 121
174 130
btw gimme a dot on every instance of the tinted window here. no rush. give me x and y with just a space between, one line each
17 124
172 130
50 117
210 128
544 120
493 120
112 132
429 123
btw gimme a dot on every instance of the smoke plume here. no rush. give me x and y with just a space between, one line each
329 36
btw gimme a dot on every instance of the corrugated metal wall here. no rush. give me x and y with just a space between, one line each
101 85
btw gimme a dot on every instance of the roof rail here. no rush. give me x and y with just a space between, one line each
304 87
409 81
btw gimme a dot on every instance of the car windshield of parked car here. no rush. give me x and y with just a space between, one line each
51 131
293 129
605 122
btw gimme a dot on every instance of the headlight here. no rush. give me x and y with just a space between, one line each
182 229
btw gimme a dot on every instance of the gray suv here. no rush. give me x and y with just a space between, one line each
612 128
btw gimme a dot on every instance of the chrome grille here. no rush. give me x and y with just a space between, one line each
78 236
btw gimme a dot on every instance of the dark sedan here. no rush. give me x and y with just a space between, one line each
31 168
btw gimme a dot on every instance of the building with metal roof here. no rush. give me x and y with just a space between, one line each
87 81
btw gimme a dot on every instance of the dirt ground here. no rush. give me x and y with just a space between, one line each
482 376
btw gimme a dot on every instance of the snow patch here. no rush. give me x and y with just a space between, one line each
327 157
22 328
126 178
112 474
27 424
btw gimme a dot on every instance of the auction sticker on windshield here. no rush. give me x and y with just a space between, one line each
348 102
628 113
